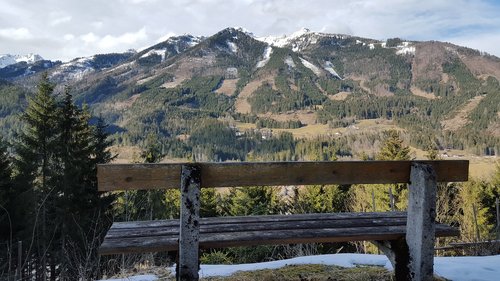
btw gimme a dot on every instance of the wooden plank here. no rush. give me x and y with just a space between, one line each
262 218
156 176
249 238
258 226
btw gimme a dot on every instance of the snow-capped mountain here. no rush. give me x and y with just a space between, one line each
297 40
7 59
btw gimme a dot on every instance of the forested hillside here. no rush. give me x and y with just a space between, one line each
56 218
443 96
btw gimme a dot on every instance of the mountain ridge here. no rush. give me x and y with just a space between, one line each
303 79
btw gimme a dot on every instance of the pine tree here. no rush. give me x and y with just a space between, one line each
393 147
35 161
56 161
7 232
6 185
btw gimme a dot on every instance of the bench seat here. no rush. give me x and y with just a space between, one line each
219 232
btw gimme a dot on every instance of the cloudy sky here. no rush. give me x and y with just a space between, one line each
65 29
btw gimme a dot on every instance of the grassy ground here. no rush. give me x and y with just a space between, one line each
309 272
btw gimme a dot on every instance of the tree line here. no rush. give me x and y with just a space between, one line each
50 203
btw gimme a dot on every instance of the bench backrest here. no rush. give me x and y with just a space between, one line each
229 174
190 177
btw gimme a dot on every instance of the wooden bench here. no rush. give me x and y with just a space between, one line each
407 238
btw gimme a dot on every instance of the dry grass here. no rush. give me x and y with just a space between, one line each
311 272
482 66
242 105
460 118
418 92
228 87
316 130
125 154
307 117
307 272
339 96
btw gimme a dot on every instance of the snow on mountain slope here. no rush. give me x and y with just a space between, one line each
232 46
329 67
298 40
283 40
8 59
289 61
405 48
266 57
160 52
75 69
311 66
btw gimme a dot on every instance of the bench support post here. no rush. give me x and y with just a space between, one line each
420 225
188 263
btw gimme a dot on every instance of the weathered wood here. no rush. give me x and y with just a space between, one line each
262 230
152 176
420 230
258 226
262 218
189 223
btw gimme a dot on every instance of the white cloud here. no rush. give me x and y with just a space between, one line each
117 25
89 38
21 33
109 42
69 37
60 20
165 37
487 42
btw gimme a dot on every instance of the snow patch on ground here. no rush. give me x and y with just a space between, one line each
485 268
232 46
345 260
372 46
283 40
290 61
159 52
75 69
311 66
266 57
405 49
148 277
329 67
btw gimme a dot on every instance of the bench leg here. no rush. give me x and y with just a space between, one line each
413 258
398 254
420 225
189 235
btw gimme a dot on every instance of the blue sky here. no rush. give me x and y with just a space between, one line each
65 29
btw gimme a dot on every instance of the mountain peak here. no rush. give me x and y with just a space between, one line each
8 59
289 40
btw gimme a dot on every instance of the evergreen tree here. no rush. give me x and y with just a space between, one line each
35 161
393 148
7 232
56 161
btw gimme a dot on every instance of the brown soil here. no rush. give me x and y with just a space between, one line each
339 96
428 60
418 92
482 66
186 68
228 87
242 105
